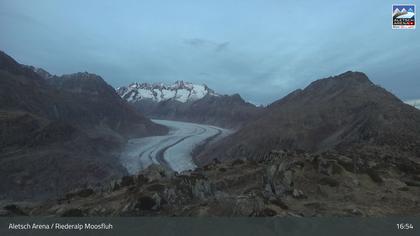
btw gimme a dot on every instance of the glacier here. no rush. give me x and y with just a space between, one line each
172 150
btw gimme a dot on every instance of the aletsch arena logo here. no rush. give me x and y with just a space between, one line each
403 16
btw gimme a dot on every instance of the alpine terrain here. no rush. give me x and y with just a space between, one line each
189 102
342 146
58 133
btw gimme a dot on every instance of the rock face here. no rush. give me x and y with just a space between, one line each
347 113
189 102
57 133
102 105
283 183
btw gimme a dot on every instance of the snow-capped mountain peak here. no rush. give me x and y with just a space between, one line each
180 91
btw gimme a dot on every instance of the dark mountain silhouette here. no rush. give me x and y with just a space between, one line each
64 129
7 63
229 111
347 113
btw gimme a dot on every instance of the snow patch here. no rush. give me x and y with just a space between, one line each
180 91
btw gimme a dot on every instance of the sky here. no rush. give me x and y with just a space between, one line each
261 49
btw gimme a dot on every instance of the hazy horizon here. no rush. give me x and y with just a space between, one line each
262 51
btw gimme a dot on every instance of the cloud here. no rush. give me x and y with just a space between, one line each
229 45
222 47
204 43
196 42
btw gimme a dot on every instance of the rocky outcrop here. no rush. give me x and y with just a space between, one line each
283 183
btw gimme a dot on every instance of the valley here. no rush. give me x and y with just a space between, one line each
172 150
72 145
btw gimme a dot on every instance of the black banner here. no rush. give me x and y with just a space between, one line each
209 226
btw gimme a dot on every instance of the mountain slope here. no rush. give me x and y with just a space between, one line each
101 105
224 111
283 184
62 129
347 113
189 102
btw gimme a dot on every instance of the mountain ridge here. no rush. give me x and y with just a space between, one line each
339 112
61 129
180 91
204 106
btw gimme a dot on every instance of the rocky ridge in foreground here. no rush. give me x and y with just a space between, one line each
284 183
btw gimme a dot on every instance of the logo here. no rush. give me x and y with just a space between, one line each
403 16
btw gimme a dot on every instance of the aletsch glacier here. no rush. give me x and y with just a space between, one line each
172 150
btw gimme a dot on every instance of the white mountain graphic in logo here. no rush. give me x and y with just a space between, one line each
403 13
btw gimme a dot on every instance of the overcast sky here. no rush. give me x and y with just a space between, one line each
259 49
